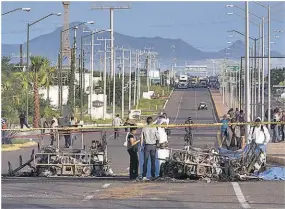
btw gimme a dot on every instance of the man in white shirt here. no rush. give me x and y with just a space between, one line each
259 133
117 121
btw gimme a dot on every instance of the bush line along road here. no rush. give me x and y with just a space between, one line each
112 193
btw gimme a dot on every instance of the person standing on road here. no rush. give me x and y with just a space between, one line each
43 124
127 123
275 127
132 148
149 137
23 120
259 133
225 125
237 113
283 125
72 136
117 122
52 132
127 130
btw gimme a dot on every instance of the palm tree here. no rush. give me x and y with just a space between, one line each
37 64
49 73
70 100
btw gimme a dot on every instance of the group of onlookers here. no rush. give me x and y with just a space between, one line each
151 139
233 135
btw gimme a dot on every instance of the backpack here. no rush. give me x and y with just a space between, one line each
262 129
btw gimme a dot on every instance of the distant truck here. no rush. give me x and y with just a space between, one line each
183 82
203 83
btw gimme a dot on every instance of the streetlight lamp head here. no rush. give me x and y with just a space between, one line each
58 14
26 9
90 22
230 13
229 42
229 5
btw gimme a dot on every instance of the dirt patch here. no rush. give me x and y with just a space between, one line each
134 190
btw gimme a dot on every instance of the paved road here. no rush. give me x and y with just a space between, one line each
110 193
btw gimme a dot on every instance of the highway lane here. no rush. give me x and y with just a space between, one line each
184 103
111 193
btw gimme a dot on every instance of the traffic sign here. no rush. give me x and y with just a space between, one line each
234 67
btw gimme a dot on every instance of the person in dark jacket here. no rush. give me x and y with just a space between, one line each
23 120
132 148
127 123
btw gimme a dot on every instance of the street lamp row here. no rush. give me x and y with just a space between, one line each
14 10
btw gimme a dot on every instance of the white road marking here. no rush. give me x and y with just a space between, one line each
240 195
89 197
178 109
105 186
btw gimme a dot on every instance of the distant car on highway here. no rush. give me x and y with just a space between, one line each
202 106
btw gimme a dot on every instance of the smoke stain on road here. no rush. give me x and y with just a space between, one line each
136 190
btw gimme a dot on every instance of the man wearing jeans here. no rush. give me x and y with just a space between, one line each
149 137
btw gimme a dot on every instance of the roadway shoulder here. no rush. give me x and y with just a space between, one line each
275 153
219 108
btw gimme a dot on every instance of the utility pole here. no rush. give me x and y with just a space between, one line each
91 73
130 81
139 78
247 73
269 69
123 82
111 9
135 77
104 77
263 71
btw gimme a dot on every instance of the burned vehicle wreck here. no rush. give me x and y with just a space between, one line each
50 161
53 160
215 164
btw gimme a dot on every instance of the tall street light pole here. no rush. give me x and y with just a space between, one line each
14 10
247 75
269 64
263 72
28 46
269 69
130 81
123 84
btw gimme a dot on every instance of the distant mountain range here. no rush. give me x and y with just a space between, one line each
48 45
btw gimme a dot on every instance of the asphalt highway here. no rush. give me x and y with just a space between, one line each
110 193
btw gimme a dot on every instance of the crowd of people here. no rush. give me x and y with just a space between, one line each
233 135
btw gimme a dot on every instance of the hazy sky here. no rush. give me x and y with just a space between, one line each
204 25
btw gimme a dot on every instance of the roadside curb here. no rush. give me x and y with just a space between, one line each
216 118
15 147
275 159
